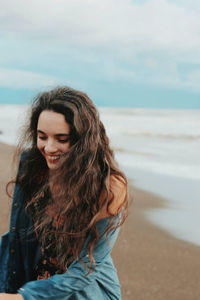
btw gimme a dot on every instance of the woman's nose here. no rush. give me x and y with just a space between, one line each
50 146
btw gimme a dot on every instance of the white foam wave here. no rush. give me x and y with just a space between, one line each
164 135
11 118
164 141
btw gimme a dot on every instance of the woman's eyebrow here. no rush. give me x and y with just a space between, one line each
62 134
40 131
57 135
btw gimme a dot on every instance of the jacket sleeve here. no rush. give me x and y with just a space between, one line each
4 256
60 287
64 286
11 267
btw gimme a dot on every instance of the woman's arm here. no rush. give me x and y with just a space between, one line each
4 296
63 286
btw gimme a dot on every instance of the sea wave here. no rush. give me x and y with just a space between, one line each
166 141
163 135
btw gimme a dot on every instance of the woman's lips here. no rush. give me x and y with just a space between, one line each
53 158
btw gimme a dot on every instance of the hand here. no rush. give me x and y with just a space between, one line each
4 296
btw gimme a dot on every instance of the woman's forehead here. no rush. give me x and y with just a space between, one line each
51 121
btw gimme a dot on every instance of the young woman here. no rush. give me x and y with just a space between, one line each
69 201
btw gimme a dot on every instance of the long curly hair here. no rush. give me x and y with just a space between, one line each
73 190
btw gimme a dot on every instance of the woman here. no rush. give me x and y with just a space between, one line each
70 198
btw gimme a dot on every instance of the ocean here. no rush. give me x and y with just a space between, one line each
158 149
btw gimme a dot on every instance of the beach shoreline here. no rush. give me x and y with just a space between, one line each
151 264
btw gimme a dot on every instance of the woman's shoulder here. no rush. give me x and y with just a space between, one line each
116 198
118 183
24 154
118 192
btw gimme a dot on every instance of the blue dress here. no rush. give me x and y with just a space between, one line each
20 253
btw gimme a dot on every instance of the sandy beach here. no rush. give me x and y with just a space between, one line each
151 264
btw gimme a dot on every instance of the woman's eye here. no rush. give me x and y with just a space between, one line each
63 141
42 137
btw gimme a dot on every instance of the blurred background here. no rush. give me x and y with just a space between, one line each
139 61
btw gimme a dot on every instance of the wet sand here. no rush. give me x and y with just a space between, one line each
151 264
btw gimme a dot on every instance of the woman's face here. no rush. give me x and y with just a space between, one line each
52 136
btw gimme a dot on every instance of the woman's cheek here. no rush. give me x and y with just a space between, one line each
40 144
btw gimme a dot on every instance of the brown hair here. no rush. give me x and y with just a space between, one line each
75 187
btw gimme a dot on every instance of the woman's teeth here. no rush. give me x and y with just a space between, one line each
53 157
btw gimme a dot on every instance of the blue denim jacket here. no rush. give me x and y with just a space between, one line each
20 252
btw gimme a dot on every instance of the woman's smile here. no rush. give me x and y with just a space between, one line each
53 159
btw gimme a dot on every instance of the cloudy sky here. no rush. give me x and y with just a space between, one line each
132 53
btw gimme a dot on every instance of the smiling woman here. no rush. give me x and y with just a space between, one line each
53 136
70 199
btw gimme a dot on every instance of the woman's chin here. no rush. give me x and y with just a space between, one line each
52 165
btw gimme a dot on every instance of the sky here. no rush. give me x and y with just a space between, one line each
124 53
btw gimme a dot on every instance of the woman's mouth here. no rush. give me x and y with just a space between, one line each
53 158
